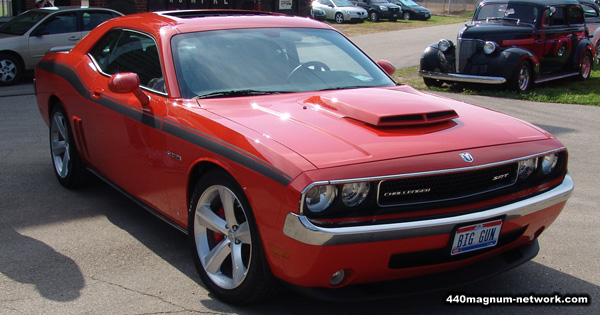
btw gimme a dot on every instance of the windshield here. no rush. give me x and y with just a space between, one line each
343 3
507 11
409 3
270 60
22 23
379 1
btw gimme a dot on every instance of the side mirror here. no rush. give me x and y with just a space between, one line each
128 82
387 66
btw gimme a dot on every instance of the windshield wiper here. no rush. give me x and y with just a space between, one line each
235 93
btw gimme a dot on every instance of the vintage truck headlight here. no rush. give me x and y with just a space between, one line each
489 47
549 163
444 45
355 193
319 198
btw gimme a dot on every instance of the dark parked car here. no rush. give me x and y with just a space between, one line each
592 20
514 42
380 9
28 36
412 10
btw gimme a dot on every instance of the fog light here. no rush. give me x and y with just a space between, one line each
337 278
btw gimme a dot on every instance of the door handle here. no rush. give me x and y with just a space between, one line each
74 38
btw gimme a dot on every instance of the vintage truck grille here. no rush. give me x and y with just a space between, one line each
444 187
466 49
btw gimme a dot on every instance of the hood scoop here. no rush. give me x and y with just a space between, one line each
388 108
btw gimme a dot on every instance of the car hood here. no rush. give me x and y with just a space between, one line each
497 31
335 128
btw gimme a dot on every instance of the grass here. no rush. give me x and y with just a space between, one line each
368 27
566 91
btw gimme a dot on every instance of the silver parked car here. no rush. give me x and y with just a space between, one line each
340 10
28 36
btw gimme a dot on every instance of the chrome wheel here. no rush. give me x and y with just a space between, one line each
522 79
222 235
59 145
586 66
406 16
10 69
373 17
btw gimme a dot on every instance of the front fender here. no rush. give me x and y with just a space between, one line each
434 59
509 59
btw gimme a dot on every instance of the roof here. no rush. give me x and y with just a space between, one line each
543 3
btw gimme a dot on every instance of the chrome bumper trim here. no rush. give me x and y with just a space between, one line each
301 229
461 77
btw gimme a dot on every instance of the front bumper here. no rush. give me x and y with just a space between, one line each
466 78
301 229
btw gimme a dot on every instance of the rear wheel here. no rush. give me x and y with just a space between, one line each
68 166
225 241
585 67
406 16
10 69
522 80
339 18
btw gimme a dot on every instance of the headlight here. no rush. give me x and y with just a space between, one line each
527 167
319 198
489 47
383 8
354 194
549 163
444 45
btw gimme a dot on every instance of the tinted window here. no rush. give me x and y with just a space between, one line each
576 15
22 23
92 19
59 24
126 51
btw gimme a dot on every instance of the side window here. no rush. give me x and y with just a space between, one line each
127 51
58 24
590 11
91 19
575 15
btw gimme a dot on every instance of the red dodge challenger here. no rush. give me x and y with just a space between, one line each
290 157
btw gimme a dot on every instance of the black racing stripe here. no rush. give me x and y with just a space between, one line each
234 155
189 135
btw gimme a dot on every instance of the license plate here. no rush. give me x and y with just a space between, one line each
476 236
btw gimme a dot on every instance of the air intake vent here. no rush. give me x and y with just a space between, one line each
417 119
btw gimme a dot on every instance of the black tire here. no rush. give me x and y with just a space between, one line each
406 16
429 82
11 69
225 238
70 170
373 16
597 51
585 66
339 18
522 79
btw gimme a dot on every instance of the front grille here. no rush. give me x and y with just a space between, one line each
466 49
394 10
444 187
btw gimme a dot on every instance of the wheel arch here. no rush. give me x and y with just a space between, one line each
513 56
16 55
582 47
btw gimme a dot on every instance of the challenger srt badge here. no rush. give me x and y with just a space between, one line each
467 157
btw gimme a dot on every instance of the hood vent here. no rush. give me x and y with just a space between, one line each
417 119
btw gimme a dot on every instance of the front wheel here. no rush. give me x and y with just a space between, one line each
339 18
68 166
522 80
585 67
406 16
429 82
373 16
225 241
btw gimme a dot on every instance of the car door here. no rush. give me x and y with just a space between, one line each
556 37
60 29
125 141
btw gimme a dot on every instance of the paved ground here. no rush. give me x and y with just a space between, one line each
92 251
